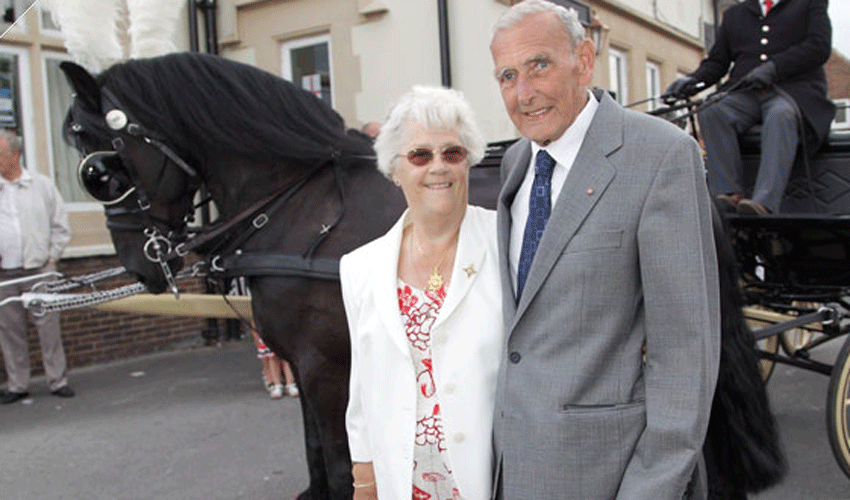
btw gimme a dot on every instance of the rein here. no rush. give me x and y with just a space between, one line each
232 262
304 265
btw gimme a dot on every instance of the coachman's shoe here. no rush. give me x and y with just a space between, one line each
729 202
750 207
9 397
64 392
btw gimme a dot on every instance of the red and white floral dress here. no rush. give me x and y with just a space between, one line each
432 472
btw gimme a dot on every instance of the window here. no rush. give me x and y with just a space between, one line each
617 74
653 85
15 100
306 62
63 158
12 11
842 114
48 24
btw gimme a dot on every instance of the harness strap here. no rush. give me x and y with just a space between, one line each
279 264
266 205
319 238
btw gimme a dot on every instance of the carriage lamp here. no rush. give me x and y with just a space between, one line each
598 32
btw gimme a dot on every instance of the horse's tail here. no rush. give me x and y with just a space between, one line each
742 448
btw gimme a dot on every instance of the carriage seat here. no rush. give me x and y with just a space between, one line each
829 175
750 141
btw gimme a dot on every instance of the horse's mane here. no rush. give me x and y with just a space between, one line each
208 105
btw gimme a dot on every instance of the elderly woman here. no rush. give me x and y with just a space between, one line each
424 310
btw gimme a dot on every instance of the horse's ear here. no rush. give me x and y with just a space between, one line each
84 85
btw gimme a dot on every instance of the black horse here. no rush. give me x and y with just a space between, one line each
295 190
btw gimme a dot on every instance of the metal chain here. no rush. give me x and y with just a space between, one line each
40 304
47 300
78 281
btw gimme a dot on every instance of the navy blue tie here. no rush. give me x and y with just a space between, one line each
539 208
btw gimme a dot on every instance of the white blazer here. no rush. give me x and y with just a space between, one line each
466 346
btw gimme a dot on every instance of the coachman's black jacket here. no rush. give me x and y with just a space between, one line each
796 35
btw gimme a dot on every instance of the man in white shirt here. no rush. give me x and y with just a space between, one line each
33 233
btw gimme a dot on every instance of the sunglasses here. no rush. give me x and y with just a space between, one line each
104 177
422 156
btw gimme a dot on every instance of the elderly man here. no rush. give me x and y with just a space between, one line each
33 234
609 282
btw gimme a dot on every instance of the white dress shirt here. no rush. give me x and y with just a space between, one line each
764 8
11 239
564 150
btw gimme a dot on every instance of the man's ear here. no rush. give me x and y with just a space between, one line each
586 55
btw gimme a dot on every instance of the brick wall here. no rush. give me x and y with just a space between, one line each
91 336
838 76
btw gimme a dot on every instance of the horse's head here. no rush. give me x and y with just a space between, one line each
146 188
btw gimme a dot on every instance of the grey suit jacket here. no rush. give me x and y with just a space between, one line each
627 263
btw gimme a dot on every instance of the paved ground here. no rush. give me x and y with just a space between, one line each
198 425
188 425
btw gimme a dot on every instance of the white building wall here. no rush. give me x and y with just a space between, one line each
404 46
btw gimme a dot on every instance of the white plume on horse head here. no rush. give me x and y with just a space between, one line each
99 33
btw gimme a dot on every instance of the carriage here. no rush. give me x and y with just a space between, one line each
295 190
794 266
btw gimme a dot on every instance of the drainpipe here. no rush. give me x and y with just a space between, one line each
209 7
193 26
445 61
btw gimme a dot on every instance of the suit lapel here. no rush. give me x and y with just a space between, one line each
586 183
519 167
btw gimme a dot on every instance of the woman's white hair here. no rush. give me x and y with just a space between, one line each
569 18
432 108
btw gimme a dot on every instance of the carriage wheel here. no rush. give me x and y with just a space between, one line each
796 338
769 345
838 408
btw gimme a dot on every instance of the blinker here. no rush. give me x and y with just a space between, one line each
104 177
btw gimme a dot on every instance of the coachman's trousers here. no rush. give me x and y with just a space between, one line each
722 123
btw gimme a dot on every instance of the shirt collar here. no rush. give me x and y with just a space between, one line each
571 139
23 179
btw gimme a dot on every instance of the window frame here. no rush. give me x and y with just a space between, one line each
286 48
653 85
72 206
55 33
618 69
26 123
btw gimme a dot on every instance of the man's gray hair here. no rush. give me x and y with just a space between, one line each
432 108
569 18
12 139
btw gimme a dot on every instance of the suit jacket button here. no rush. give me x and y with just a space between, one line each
514 357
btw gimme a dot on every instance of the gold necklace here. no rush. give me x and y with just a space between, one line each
435 280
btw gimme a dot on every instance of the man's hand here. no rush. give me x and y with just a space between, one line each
762 76
681 88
